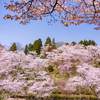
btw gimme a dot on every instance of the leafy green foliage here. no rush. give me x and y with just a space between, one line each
55 72
59 76
82 97
13 47
37 46
86 43
26 51
96 64
56 91
27 96
73 43
57 96
48 41
53 41
50 68
30 47
66 43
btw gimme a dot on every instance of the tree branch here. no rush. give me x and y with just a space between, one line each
52 8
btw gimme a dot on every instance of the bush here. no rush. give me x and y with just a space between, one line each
56 91
27 96
82 97
59 76
50 68
57 96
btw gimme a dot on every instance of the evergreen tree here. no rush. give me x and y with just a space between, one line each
48 41
13 47
81 42
86 43
93 43
37 46
90 42
30 48
73 43
53 41
26 51
66 43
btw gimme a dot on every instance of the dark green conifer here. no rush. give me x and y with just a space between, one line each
89 42
30 48
73 43
13 47
66 43
81 42
48 41
26 51
86 43
93 43
53 41
37 46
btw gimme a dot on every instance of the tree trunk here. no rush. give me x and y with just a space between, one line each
94 93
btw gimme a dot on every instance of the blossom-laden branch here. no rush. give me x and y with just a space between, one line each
68 11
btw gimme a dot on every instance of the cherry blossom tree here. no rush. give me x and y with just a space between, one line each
89 77
20 73
66 56
67 11
63 69
83 58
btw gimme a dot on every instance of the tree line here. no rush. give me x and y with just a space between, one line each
76 67
37 45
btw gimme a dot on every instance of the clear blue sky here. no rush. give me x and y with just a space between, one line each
12 31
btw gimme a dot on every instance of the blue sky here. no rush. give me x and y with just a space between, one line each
12 31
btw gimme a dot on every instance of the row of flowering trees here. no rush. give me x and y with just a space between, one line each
20 73
65 58
24 74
